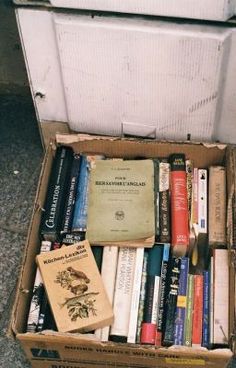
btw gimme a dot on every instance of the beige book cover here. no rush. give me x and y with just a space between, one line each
121 203
74 288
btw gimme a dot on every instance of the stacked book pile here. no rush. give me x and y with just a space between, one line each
157 228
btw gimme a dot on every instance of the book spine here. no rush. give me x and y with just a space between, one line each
162 294
211 301
206 309
142 297
194 218
168 338
135 296
189 312
69 239
179 206
38 293
197 311
164 201
217 206
202 201
181 303
221 297
123 292
80 210
148 330
108 272
189 174
55 199
156 198
70 200
97 253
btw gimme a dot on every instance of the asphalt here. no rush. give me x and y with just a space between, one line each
21 156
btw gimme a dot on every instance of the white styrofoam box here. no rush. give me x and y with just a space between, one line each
199 9
123 75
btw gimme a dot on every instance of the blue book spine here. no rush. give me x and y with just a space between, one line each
81 201
164 267
206 310
181 302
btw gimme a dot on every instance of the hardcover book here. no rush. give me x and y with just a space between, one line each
74 288
121 203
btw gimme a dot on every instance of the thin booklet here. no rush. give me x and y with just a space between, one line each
121 203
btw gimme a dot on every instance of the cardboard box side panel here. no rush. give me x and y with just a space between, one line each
27 275
68 349
50 128
203 155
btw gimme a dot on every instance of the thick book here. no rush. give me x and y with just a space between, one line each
181 302
142 297
189 312
162 294
197 311
121 203
149 325
217 206
156 163
54 204
123 294
206 310
75 289
179 206
70 199
164 201
171 301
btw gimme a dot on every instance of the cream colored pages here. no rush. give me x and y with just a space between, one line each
121 202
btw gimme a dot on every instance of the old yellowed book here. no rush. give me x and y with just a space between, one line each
74 288
121 203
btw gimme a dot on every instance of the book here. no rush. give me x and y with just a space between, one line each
179 206
148 330
221 297
108 272
164 201
123 294
74 288
142 296
217 206
197 311
211 338
133 320
181 302
70 199
97 253
202 201
189 312
156 163
162 294
194 213
54 204
72 238
38 294
189 176
206 310
171 300
121 203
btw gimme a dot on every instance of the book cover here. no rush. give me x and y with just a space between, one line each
123 294
179 206
206 309
57 190
133 320
217 206
202 201
197 311
121 203
181 302
162 294
194 217
74 288
189 174
70 199
171 301
142 297
156 163
164 201
189 312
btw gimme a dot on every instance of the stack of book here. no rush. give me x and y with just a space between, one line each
158 233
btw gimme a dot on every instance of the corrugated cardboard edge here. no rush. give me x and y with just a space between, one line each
11 330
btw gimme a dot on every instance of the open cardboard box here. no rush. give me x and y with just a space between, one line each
61 350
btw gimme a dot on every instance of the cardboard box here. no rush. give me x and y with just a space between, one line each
67 350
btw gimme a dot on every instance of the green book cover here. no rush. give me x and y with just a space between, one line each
189 312
121 202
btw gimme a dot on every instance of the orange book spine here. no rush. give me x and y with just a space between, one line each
197 310
179 206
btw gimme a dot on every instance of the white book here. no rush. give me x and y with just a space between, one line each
221 297
123 293
108 272
202 201
133 321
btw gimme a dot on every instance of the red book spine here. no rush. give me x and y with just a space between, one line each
197 310
179 206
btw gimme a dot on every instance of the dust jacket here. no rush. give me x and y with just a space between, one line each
75 289
121 203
